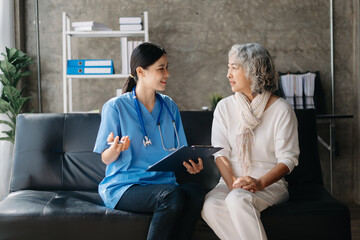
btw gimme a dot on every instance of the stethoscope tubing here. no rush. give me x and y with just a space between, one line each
146 139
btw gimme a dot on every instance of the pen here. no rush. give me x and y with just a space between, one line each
111 143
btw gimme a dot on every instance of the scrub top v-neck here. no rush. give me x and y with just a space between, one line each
119 116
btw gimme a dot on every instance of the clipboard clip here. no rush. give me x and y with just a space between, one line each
208 146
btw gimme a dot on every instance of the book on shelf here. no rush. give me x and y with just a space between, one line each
124 58
90 70
130 27
87 23
129 20
89 62
130 48
127 48
91 28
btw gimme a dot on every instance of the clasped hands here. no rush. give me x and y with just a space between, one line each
248 183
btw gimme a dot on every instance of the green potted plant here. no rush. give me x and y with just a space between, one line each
214 99
11 101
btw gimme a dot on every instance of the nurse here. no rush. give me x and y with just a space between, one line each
142 127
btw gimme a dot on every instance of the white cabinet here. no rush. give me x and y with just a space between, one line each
67 34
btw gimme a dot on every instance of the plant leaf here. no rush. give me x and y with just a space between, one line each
25 74
20 103
11 93
8 69
7 139
12 54
10 124
4 80
23 62
16 78
10 135
4 106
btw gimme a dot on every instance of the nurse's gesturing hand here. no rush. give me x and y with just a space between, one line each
112 153
194 168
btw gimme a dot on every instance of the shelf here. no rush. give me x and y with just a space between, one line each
99 76
68 34
106 34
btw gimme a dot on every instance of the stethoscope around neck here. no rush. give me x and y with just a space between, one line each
147 140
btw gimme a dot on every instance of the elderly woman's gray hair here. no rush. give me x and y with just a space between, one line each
257 65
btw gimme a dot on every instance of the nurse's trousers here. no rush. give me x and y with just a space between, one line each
236 214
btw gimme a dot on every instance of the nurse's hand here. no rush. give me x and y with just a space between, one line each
112 153
118 146
194 168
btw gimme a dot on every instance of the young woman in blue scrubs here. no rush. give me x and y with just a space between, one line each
145 126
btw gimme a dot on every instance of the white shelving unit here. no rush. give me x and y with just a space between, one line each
67 34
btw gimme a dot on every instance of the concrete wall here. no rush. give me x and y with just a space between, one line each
197 35
356 122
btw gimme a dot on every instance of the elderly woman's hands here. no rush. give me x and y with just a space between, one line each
248 183
194 168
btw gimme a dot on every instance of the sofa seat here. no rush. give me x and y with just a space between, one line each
310 209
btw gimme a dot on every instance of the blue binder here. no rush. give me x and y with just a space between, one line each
90 63
90 70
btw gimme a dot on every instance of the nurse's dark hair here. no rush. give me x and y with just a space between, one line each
144 55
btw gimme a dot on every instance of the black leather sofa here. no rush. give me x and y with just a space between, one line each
53 192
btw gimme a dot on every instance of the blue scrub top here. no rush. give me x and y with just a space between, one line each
120 117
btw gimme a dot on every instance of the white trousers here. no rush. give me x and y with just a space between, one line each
236 214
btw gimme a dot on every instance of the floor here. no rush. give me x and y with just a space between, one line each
355 220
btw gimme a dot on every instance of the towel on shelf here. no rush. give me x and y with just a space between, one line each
309 89
298 90
288 88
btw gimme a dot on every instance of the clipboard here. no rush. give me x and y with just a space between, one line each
174 161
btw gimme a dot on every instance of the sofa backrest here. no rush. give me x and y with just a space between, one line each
308 172
54 151
197 126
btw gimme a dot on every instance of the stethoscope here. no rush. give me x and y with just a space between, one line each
147 140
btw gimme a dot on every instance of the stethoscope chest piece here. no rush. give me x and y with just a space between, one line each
146 141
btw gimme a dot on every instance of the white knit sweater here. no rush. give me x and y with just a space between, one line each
275 140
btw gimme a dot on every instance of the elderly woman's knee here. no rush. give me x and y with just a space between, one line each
238 197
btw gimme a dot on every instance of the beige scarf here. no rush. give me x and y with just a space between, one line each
248 115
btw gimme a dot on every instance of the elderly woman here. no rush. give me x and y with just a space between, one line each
258 133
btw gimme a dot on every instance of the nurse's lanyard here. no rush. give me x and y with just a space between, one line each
147 140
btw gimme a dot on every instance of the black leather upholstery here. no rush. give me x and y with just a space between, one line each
54 152
308 172
56 174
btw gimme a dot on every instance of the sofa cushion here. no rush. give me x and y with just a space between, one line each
311 211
